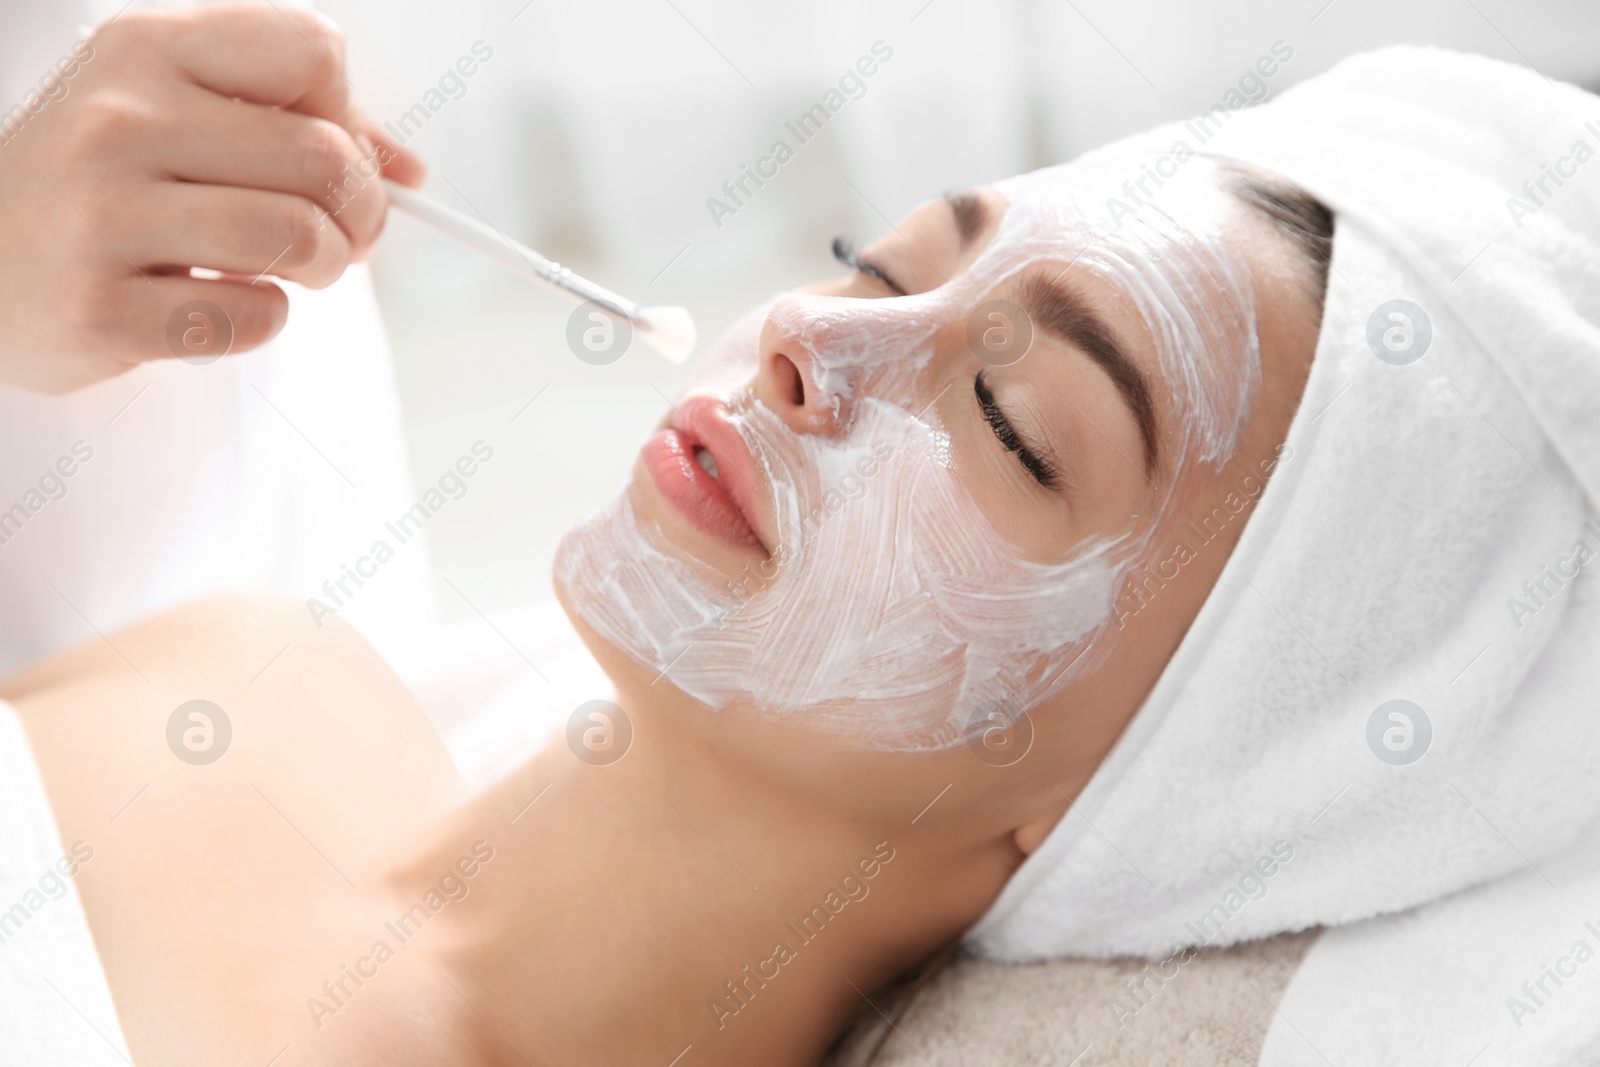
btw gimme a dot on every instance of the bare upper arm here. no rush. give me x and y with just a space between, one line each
312 712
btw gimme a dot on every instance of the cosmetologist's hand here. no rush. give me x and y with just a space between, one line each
221 138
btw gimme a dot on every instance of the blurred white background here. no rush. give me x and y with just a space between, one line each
597 131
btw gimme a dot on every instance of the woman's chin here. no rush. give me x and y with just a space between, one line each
574 579
624 671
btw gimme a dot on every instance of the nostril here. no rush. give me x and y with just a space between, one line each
791 379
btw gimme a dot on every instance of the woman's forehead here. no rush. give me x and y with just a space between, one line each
1107 193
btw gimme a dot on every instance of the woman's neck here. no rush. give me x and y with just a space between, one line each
626 913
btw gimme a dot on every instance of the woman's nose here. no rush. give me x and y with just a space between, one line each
790 382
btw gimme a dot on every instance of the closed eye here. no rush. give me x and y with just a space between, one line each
1040 468
844 251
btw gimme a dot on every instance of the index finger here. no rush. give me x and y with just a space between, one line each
282 56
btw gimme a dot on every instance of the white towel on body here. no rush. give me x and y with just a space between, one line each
55 1007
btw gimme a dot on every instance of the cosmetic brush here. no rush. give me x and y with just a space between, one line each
669 330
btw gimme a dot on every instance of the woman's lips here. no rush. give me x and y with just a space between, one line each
725 506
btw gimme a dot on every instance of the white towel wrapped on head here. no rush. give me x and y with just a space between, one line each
1425 540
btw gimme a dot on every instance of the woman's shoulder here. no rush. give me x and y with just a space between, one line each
235 690
240 774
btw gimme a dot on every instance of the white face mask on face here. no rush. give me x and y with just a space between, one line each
892 612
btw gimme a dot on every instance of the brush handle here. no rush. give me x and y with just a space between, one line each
513 255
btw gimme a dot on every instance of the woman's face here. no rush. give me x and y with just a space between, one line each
901 507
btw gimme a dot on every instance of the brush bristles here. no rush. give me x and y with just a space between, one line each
670 331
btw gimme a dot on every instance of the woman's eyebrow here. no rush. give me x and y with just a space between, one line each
1071 319
971 215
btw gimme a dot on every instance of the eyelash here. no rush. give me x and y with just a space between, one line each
1041 469
844 251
